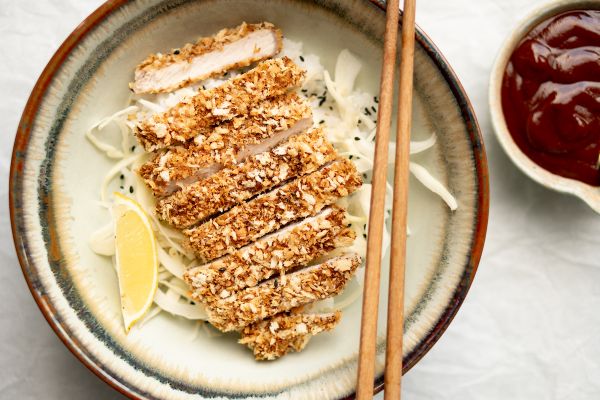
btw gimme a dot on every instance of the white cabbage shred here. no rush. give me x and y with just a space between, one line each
348 117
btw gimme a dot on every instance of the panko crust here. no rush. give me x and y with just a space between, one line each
198 114
278 295
190 51
284 333
300 155
268 212
224 145
275 254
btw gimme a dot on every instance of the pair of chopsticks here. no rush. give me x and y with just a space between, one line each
395 320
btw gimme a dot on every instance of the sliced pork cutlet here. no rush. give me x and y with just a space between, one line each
284 333
278 295
270 211
300 155
294 246
197 114
269 123
210 56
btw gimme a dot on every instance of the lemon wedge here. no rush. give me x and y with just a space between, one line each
137 259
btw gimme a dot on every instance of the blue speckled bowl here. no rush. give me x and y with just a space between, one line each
55 177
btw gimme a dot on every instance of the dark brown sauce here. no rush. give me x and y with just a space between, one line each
551 95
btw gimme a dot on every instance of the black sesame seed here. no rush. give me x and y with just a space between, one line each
222 269
376 100
301 58
357 157
313 94
192 303
276 283
374 110
130 189
321 121
176 51
356 138
331 108
365 235
365 176
304 90
351 156
367 112
322 101
203 87
121 187
226 73
132 149
365 227
122 176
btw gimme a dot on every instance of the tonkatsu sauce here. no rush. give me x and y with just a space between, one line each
551 95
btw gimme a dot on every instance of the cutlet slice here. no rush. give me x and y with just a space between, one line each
209 56
301 154
294 246
282 294
268 212
268 124
198 114
277 336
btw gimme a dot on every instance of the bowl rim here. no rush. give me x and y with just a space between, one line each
28 266
588 193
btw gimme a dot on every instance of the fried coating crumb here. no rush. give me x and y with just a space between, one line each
277 336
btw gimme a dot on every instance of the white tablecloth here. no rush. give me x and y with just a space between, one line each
530 326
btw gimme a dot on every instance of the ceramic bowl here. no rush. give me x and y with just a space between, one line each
56 174
589 194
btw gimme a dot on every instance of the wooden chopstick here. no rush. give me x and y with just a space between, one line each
395 330
395 317
368 330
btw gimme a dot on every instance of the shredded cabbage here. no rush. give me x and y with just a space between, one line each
172 262
170 302
102 241
347 68
348 117
433 184
420 146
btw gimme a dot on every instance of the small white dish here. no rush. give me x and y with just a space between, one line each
589 194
